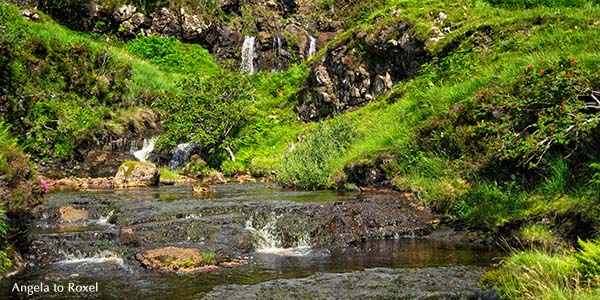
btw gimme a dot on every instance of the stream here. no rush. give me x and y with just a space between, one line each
297 244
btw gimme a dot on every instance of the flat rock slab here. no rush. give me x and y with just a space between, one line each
183 260
431 283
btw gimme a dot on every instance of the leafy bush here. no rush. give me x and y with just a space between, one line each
474 207
542 113
208 111
172 55
311 164
588 259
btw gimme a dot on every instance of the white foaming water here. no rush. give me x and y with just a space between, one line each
312 48
248 55
268 243
98 258
147 148
277 66
103 220
181 154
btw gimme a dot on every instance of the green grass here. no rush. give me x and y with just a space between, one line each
537 274
166 173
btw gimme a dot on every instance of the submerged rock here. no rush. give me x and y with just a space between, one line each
458 283
201 188
136 174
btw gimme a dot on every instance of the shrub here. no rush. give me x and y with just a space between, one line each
588 259
476 205
208 111
311 164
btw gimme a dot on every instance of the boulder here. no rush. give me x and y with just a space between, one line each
177 259
69 214
216 178
136 174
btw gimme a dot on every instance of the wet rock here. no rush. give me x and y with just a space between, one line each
458 283
183 260
136 174
242 178
216 178
201 189
69 213
129 237
81 184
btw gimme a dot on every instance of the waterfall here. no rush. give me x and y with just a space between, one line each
267 242
277 53
312 46
248 55
182 154
147 148
278 39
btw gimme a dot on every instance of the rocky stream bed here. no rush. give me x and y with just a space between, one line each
243 241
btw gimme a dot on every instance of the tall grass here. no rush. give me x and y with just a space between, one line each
537 274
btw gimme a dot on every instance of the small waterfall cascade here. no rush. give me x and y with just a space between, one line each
182 154
147 148
277 52
267 242
312 48
248 55
104 256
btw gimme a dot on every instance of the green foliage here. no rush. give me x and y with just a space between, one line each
537 236
595 180
165 173
539 112
537 274
312 163
197 167
520 4
209 258
6 262
209 111
172 55
588 259
489 205
559 179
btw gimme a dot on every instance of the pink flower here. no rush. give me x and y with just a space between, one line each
43 184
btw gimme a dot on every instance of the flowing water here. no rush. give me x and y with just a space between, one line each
248 55
285 257
312 48
147 148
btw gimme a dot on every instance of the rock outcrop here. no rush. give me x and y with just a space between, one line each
354 71
283 28
136 174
